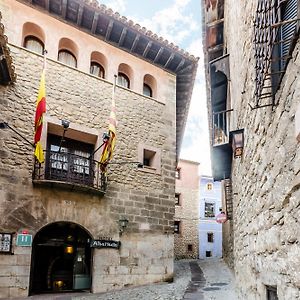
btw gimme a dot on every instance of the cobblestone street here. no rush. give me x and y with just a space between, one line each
194 280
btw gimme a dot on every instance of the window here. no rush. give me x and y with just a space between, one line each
190 247
209 210
97 70
149 158
208 253
274 40
271 293
123 80
209 186
67 58
177 173
69 160
34 44
147 91
177 199
210 237
176 226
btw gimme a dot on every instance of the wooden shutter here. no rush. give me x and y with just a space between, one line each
288 30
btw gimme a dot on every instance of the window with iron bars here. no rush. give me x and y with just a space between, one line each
275 34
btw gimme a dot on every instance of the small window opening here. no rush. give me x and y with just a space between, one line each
177 199
190 247
272 293
177 173
148 159
209 186
208 253
176 226
210 237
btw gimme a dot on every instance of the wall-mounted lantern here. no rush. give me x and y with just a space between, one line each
237 141
122 224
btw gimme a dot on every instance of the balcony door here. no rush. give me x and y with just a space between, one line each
69 160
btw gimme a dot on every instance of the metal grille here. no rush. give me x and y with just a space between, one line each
274 33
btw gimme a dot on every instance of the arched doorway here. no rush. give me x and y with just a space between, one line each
61 259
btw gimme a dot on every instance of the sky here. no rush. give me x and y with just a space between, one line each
178 21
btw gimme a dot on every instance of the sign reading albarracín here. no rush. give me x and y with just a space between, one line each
105 244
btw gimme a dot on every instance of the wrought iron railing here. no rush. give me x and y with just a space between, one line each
71 169
220 128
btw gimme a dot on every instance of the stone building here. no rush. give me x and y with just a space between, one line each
67 225
210 204
186 210
252 64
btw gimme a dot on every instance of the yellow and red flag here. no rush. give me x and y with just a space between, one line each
38 123
109 145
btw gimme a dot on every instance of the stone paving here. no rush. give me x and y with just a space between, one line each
194 280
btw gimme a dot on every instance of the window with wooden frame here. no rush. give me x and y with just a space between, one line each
275 34
69 160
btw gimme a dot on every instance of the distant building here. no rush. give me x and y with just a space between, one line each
186 210
210 232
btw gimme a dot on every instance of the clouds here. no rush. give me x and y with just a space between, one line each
173 23
117 5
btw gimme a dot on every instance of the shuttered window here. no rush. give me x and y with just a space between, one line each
288 31
276 33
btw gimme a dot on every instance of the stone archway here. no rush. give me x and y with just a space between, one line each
61 259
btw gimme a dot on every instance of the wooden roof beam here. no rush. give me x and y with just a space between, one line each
147 48
158 55
137 37
169 60
109 29
95 22
79 16
64 8
122 37
180 65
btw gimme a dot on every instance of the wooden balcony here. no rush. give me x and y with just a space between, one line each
71 172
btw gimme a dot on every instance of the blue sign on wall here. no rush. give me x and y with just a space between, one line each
24 240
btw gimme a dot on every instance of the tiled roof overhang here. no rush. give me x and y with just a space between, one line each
114 29
7 74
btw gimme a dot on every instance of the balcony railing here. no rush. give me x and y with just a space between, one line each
70 170
220 128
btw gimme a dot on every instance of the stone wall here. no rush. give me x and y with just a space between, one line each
266 179
188 211
146 199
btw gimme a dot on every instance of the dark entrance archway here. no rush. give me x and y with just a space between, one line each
61 259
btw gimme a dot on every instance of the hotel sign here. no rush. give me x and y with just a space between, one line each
5 243
105 244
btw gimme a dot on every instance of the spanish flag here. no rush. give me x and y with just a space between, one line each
109 146
38 123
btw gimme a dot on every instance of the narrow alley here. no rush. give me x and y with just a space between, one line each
194 280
